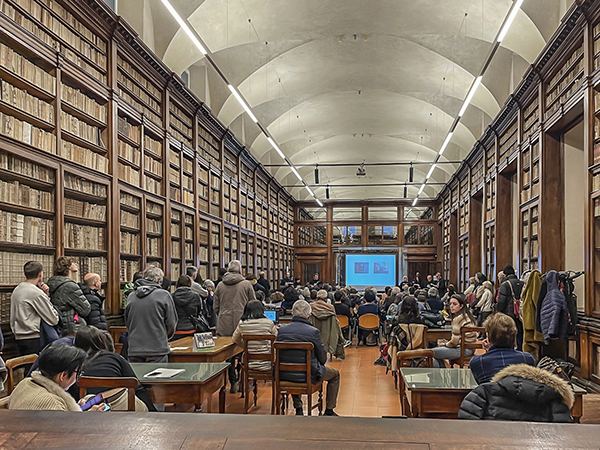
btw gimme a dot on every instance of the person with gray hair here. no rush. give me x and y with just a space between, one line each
433 300
300 330
321 303
230 299
151 318
192 272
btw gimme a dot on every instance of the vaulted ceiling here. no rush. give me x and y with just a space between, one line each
348 81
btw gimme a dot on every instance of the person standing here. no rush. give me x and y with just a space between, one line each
151 319
192 272
230 299
29 306
92 283
188 305
264 283
66 295
509 291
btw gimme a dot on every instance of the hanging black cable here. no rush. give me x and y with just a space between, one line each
411 173
317 174
405 190
327 192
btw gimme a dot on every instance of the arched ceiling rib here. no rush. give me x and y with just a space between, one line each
301 65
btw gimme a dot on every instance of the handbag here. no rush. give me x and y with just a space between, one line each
516 302
200 322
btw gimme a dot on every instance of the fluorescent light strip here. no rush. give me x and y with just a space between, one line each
184 26
242 102
421 190
319 202
446 142
309 190
276 147
430 171
296 173
470 96
415 201
511 17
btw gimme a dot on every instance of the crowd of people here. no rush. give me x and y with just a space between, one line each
66 320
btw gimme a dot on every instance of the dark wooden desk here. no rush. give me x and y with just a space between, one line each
285 319
34 430
223 350
196 385
433 334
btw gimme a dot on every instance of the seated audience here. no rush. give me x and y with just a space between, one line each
102 362
449 293
59 367
29 308
321 303
290 296
409 311
500 345
341 308
369 307
300 330
313 296
66 295
520 393
254 321
276 299
421 297
92 283
461 317
434 302
188 304
264 283
485 305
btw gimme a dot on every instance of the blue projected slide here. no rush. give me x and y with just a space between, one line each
370 270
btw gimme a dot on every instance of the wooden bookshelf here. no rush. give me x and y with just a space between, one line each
215 194
530 172
188 241
208 146
180 124
529 237
153 163
131 236
154 232
508 140
203 248
565 80
215 256
203 190
531 118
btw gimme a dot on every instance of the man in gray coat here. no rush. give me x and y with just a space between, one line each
151 319
230 299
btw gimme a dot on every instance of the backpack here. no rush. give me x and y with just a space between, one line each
433 319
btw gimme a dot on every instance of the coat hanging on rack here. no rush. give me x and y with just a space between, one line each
529 299
554 315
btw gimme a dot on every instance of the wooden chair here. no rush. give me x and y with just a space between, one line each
117 382
290 388
4 401
345 325
464 359
254 374
368 322
404 359
12 365
115 332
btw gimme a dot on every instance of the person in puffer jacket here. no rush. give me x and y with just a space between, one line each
66 295
90 287
554 314
520 393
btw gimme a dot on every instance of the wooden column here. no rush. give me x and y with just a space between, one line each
454 257
504 223
475 235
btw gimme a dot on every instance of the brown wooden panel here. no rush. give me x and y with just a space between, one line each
504 223
475 233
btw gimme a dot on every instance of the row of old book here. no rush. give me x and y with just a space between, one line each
154 186
152 165
137 90
154 246
175 250
22 229
153 226
84 156
28 134
130 243
28 24
129 174
12 265
128 269
128 152
21 66
25 167
93 264
23 100
129 200
86 210
153 145
82 185
180 136
130 220
141 107
84 237
20 194
81 129
137 76
127 129
83 102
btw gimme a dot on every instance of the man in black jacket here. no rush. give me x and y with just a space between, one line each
511 286
300 330
90 287
264 283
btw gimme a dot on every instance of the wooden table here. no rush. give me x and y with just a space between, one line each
438 393
196 385
433 334
224 349
285 319
36 430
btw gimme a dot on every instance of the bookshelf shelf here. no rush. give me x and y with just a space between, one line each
24 84
66 135
25 210
83 221
33 182
81 115
84 196
25 116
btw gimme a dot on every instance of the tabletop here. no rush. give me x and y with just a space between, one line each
193 372
426 378
186 431
186 345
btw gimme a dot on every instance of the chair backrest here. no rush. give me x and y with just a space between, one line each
416 335
464 359
116 382
368 322
281 366
251 356
115 332
4 401
343 320
405 357
12 365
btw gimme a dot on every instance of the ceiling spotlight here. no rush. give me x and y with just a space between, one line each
411 173
361 171
317 174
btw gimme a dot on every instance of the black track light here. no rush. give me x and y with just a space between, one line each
411 173
327 192
317 174
405 191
